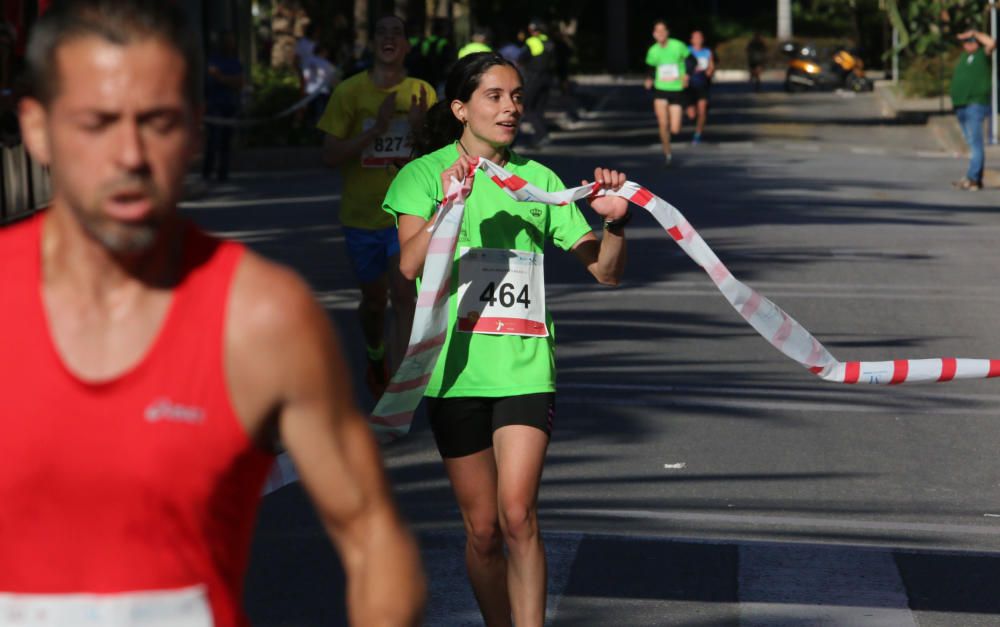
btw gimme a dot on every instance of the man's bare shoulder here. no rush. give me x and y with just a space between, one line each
279 342
271 301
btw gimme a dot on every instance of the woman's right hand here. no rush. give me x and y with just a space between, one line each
459 170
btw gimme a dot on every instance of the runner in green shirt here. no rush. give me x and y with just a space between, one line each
491 397
668 75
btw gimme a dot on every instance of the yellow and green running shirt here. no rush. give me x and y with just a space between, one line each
351 110
668 64
475 364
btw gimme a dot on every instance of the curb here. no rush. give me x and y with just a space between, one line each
899 107
941 124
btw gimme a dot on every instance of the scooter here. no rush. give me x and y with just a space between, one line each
805 71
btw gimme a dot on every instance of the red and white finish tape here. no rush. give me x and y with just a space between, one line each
393 414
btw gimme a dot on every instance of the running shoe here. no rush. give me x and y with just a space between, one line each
968 184
696 139
377 377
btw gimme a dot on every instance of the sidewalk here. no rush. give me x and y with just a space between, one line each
940 120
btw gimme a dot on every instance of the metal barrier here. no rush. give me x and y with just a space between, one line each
24 185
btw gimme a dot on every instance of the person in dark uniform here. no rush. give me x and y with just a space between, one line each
538 62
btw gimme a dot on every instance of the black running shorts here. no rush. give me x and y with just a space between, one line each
672 97
464 425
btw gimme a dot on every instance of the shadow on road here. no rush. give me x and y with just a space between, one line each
294 577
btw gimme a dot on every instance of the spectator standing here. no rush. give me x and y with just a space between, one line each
538 65
513 50
756 57
480 37
223 83
318 76
970 97
305 46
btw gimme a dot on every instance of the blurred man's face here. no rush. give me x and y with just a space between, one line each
391 45
970 44
660 33
697 39
118 134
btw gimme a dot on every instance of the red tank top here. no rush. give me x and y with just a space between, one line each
144 482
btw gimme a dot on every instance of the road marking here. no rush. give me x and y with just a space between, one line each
788 522
803 147
716 390
843 407
677 466
820 585
930 154
449 600
866 150
233 203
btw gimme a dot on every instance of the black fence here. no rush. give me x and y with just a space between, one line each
24 184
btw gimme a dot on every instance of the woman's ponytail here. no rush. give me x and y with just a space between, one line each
439 129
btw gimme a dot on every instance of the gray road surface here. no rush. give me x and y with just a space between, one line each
696 476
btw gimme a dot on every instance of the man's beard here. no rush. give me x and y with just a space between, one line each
124 238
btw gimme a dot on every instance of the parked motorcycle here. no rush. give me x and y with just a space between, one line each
810 69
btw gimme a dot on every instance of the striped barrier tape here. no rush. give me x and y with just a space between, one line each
393 415
214 120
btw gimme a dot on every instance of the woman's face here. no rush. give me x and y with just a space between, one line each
495 108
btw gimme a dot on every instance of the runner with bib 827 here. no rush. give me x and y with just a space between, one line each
491 395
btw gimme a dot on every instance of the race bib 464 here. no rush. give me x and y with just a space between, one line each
501 292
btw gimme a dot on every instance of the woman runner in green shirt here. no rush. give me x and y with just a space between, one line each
490 398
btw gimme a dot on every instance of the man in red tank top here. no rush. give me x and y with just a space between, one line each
146 365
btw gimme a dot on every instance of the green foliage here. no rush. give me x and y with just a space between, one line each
927 45
826 16
274 90
928 76
929 27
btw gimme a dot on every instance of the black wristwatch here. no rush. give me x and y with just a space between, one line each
617 227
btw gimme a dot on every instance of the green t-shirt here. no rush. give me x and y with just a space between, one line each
475 364
668 64
971 82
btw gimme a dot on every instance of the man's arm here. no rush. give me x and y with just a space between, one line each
337 150
286 361
987 42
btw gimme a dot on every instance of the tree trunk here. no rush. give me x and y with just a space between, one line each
283 35
784 20
360 27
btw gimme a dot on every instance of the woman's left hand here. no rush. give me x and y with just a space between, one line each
609 207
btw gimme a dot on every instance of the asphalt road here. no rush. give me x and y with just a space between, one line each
696 476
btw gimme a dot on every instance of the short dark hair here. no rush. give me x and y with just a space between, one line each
382 16
120 22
